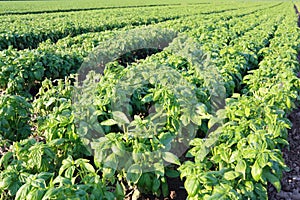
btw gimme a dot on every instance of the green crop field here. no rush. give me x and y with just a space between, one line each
125 99
61 5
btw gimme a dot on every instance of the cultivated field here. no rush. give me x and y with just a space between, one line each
185 99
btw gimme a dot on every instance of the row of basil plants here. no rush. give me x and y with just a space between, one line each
55 123
22 71
242 46
71 176
9 129
54 26
234 50
244 153
86 42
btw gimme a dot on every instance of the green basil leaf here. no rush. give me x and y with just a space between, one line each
120 117
241 167
109 122
170 158
256 171
134 173
192 186
231 175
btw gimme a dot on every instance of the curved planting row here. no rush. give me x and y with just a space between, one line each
123 132
21 71
33 7
244 154
69 174
230 47
41 27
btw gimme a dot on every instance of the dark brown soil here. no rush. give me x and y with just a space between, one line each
176 188
297 12
290 182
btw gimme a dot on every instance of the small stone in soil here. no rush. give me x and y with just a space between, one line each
172 194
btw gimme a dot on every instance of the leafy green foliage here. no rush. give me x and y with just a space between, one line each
120 131
59 25
53 109
14 117
246 151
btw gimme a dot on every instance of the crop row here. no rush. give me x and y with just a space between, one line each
41 27
22 70
63 64
33 7
234 59
132 146
86 42
193 76
244 153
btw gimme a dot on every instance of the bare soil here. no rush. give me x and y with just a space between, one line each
176 188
